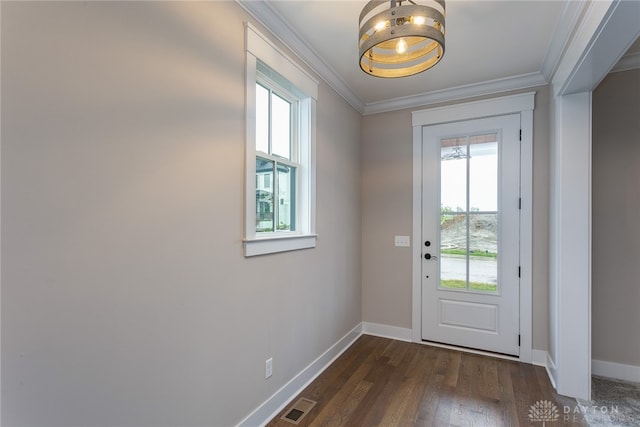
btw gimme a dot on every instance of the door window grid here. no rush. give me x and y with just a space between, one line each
469 213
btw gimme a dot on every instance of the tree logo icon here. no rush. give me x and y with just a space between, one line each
544 411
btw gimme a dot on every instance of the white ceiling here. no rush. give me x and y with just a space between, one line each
489 44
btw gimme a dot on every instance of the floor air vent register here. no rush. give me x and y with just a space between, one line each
297 412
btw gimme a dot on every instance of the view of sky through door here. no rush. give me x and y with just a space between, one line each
469 213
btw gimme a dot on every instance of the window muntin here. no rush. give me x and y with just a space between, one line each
276 157
469 217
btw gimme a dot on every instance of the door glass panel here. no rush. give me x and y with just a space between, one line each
453 175
483 252
483 173
453 250
469 213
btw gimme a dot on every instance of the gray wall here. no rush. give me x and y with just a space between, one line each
615 207
126 299
386 208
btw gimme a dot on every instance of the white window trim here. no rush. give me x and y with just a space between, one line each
258 47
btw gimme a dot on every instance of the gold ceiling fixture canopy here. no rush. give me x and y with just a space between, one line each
400 40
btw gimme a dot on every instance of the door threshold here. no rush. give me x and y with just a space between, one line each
472 350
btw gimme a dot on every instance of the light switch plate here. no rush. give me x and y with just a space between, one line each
403 241
268 368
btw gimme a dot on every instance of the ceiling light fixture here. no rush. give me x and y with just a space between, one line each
397 40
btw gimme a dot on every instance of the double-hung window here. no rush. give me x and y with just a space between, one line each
276 158
280 164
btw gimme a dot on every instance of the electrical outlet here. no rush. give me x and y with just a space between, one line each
268 368
403 241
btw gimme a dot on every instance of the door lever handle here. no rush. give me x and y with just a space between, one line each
429 256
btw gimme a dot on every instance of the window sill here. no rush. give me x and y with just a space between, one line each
275 244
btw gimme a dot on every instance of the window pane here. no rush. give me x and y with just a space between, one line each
453 175
281 127
262 119
453 251
453 219
264 195
483 252
286 197
483 174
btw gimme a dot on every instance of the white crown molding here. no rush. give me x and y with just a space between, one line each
490 87
568 22
279 27
627 62
606 30
563 35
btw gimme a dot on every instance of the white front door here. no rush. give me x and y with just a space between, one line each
470 231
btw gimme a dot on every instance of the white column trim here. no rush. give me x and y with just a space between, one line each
607 28
570 241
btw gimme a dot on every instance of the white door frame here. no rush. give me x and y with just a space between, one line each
522 104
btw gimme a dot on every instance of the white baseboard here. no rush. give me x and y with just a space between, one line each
542 358
616 371
281 398
386 331
539 357
599 368
552 371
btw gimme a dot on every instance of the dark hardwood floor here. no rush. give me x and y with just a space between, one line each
383 382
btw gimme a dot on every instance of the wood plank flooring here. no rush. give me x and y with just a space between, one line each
383 382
